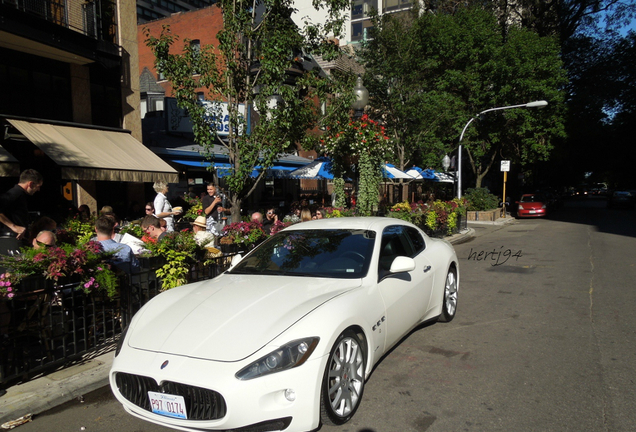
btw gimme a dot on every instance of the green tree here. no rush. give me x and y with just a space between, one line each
401 83
257 63
465 64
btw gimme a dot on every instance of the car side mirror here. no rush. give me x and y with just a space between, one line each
402 264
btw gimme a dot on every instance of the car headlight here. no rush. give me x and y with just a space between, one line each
288 356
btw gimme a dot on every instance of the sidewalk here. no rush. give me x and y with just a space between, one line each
42 394
49 391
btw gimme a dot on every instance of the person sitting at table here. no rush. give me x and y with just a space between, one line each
257 217
201 235
44 239
123 258
305 214
152 227
150 208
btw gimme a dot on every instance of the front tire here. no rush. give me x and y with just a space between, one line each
449 304
343 381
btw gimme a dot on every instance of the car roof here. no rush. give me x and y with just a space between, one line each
368 223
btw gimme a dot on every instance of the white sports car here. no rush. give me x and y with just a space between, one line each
285 339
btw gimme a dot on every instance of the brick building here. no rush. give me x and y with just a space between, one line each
177 146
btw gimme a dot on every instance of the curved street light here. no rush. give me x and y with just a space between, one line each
534 104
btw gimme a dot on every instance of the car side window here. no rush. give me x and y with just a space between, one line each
416 240
395 242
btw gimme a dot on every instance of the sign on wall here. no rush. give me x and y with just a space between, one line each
178 119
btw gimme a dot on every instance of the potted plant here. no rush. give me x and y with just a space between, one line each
178 251
85 264
244 234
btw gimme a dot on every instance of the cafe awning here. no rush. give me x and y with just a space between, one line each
89 153
9 166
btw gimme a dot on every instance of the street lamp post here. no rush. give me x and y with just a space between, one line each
535 104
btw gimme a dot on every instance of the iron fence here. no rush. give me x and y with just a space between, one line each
45 327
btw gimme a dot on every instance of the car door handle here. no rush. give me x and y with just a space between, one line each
427 268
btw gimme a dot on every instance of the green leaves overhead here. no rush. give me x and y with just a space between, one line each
256 62
429 73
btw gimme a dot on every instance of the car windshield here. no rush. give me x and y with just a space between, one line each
532 198
336 253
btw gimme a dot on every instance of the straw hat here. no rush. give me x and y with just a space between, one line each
200 222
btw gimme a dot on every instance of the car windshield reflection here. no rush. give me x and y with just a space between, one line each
532 198
315 253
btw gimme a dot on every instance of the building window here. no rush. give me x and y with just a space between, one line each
200 96
360 30
196 50
362 8
393 5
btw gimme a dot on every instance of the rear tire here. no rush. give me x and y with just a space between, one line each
343 381
449 304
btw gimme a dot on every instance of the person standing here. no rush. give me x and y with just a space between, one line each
212 208
14 212
271 217
163 208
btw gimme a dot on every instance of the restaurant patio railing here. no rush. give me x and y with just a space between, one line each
46 327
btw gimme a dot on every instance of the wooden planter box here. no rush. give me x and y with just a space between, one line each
484 216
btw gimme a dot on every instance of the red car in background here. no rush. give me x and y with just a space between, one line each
532 205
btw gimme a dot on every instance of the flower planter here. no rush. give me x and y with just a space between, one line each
436 233
484 216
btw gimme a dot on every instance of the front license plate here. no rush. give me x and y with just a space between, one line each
168 405
532 211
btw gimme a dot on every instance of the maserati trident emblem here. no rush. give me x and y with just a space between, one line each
164 364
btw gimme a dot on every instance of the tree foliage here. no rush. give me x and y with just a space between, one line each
435 71
258 60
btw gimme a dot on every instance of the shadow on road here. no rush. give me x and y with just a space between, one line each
593 211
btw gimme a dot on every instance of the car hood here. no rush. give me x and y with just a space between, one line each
230 317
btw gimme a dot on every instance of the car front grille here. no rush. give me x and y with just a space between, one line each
201 403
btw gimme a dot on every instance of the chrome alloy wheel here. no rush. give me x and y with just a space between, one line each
449 302
450 294
345 376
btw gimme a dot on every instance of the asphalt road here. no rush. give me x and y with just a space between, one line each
543 340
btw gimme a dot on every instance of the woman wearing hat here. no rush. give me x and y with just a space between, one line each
201 236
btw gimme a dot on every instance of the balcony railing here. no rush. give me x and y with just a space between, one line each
96 19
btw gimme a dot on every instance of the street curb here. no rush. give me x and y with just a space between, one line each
462 237
52 390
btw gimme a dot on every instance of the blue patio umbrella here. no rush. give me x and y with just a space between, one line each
391 172
319 169
421 174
